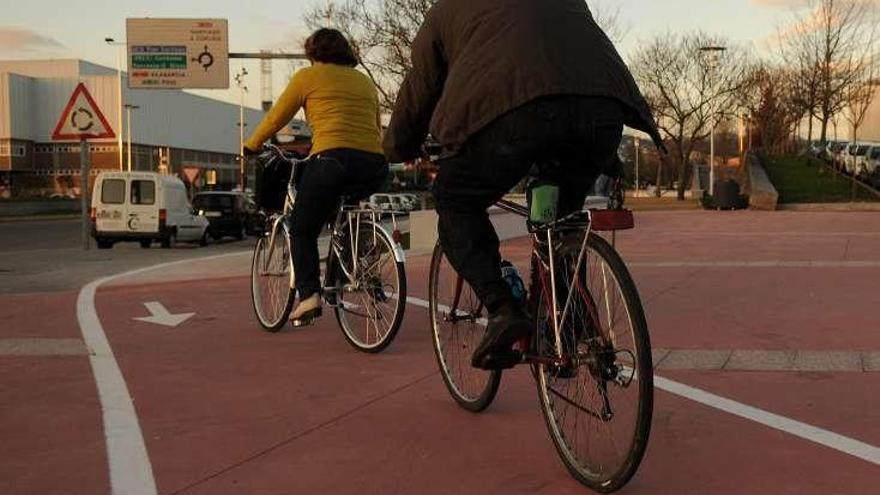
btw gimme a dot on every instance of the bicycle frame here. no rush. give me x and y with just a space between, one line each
346 216
559 315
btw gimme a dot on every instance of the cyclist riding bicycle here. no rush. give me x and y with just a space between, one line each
342 108
502 84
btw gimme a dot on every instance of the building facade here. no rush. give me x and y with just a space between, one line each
174 132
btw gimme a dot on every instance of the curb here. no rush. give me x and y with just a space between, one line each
829 207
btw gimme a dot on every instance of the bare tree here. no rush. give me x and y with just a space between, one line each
610 20
859 97
771 96
831 47
805 79
687 91
382 32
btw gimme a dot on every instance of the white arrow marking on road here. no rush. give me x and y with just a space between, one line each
161 316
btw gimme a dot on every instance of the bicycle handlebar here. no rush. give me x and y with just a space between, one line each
271 152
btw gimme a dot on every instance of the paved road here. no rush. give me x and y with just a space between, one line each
47 256
226 408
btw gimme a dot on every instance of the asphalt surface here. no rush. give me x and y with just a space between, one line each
47 256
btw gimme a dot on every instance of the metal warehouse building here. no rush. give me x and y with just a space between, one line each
198 135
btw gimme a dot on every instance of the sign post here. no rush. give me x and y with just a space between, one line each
82 120
84 191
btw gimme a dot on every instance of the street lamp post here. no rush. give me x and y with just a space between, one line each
239 80
118 45
712 53
128 109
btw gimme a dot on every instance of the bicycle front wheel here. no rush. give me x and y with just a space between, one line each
598 406
368 289
458 323
271 290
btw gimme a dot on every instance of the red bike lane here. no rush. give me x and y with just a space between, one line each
228 408
50 416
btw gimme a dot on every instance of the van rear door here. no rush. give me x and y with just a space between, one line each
110 205
143 209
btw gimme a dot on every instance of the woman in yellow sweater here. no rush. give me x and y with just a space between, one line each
342 109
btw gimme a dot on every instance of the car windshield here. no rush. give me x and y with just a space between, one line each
213 201
862 150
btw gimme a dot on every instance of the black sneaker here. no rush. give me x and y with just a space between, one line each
506 326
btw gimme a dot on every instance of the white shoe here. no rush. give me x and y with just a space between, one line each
307 310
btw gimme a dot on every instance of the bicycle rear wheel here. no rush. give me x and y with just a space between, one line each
369 306
598 408
458 326
271 291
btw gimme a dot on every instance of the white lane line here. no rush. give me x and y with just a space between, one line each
424 304
814 434
805 431
129 463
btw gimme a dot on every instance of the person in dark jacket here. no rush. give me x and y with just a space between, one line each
501 84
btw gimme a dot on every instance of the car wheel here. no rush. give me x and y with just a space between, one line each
104 244
146 243
205 237
240 233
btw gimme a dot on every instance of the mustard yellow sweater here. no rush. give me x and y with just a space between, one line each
341 104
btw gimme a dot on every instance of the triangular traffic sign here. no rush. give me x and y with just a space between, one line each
82 119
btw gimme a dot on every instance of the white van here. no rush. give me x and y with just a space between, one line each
144 207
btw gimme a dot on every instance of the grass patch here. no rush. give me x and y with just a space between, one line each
807 180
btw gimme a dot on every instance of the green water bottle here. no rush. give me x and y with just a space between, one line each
543 202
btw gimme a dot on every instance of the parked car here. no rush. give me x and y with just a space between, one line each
861 160
415 202
829 150
387 202
872 161
144 207
846 159
231 214
406 202
836 153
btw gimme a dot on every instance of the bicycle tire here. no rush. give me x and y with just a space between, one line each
283 295
343 309
482 395
642 375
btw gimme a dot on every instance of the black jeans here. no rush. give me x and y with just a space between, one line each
581 134
325 180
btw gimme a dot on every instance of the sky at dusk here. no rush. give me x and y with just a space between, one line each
64 29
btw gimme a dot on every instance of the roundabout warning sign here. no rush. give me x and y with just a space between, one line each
178 53
82 119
